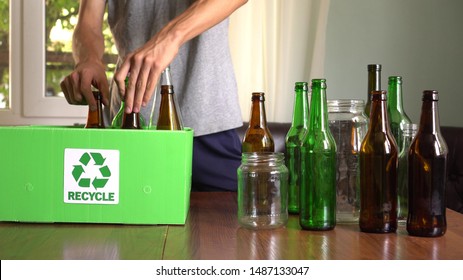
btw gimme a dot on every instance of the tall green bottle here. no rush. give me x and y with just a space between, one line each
318 164
395 109
293 144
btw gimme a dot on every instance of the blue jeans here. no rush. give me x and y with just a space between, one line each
216 158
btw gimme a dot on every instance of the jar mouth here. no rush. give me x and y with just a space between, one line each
345 105
260 157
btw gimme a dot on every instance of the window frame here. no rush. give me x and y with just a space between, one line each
28 104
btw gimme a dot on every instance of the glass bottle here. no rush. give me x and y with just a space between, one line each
374 83
395 110
95 118
318 164
427 173
127 121
378 171
257 137
262 190
348 125
169 114
408 133
293 143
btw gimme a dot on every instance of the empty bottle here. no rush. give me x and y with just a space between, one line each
427 161
257 137
169 114
318 164
95 118
408 133
293 144
374 84
127 120
378 171
395 109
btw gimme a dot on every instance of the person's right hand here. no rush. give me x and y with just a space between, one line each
77 86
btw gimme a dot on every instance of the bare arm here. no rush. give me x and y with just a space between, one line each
88 50
146 64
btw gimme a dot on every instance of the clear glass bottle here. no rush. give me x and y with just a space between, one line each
262 191
395 109
257 137
318 164
293 143
348 125
378 171
427 161
169 114
95 118
408 133
374 84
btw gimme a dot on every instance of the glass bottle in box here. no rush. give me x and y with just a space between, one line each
169 114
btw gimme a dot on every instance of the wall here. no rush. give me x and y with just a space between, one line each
420 40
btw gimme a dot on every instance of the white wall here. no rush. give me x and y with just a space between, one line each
421 40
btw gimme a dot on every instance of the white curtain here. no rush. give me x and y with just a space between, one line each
275 43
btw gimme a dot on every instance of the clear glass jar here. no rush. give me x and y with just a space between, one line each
348 125
262 190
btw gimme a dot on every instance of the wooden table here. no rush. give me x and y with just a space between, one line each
212 232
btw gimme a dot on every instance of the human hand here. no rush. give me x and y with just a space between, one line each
77 86
145 66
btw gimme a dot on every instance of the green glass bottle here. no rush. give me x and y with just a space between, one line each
374 83
395 110
293 143
127 121
318 164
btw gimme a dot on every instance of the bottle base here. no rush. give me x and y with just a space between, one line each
263 222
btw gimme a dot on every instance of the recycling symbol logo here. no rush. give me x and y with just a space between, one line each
91 171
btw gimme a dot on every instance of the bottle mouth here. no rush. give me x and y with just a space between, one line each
374 67
345 105
430 95
378 95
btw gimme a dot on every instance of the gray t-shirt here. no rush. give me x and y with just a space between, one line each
202 72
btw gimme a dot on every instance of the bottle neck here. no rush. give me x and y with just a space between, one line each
429 120
394 99
301 109
379 119
409 132
374 80
318 110
258 117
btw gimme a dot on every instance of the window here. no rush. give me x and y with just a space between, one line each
40 57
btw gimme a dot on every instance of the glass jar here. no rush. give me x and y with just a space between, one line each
348 125
262 190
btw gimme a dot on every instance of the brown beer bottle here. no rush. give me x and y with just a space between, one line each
127 121
374 83
427 159
95 118
378 171
169 114
257 137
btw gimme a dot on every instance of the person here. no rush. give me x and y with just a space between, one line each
189 36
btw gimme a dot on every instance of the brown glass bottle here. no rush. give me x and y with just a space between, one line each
257 137
132 121
169 115
378 171
427 159
374 83
95 118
